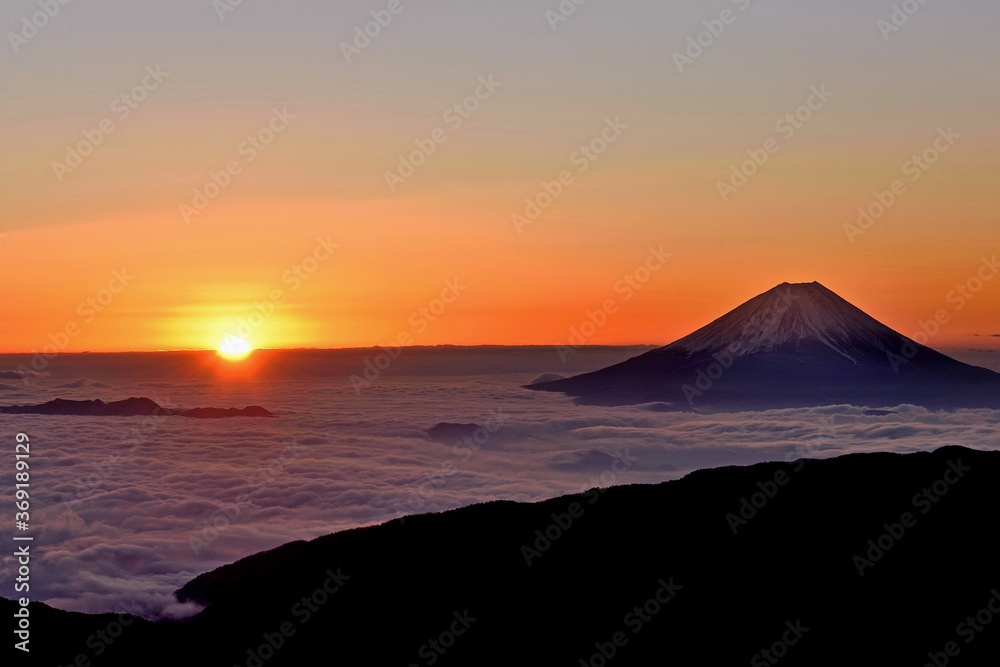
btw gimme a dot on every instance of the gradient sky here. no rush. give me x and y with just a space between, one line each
323 176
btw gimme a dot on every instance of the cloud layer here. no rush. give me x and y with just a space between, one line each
125 510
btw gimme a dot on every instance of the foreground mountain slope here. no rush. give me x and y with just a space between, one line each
457 588
795 345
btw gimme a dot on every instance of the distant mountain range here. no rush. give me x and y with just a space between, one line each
795 345
130 407
865 559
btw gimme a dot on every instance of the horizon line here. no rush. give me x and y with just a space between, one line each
339 349
411 347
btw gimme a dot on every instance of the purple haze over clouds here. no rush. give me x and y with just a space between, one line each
126 510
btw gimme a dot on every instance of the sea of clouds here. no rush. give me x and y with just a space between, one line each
126 510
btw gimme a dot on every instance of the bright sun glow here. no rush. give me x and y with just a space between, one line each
234 348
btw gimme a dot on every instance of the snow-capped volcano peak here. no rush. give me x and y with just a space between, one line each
794 345
789 313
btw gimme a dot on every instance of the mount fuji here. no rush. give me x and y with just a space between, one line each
796 345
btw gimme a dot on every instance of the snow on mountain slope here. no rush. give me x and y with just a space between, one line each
790 313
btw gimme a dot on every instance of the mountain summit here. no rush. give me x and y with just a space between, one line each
789 313
795 345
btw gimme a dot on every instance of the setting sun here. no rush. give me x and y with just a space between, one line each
234 349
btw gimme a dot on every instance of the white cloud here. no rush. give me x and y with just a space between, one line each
239 487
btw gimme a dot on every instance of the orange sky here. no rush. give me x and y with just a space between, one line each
190 287
190 284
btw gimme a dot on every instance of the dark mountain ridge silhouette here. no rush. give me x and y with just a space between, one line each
795 345
129 407
864 559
